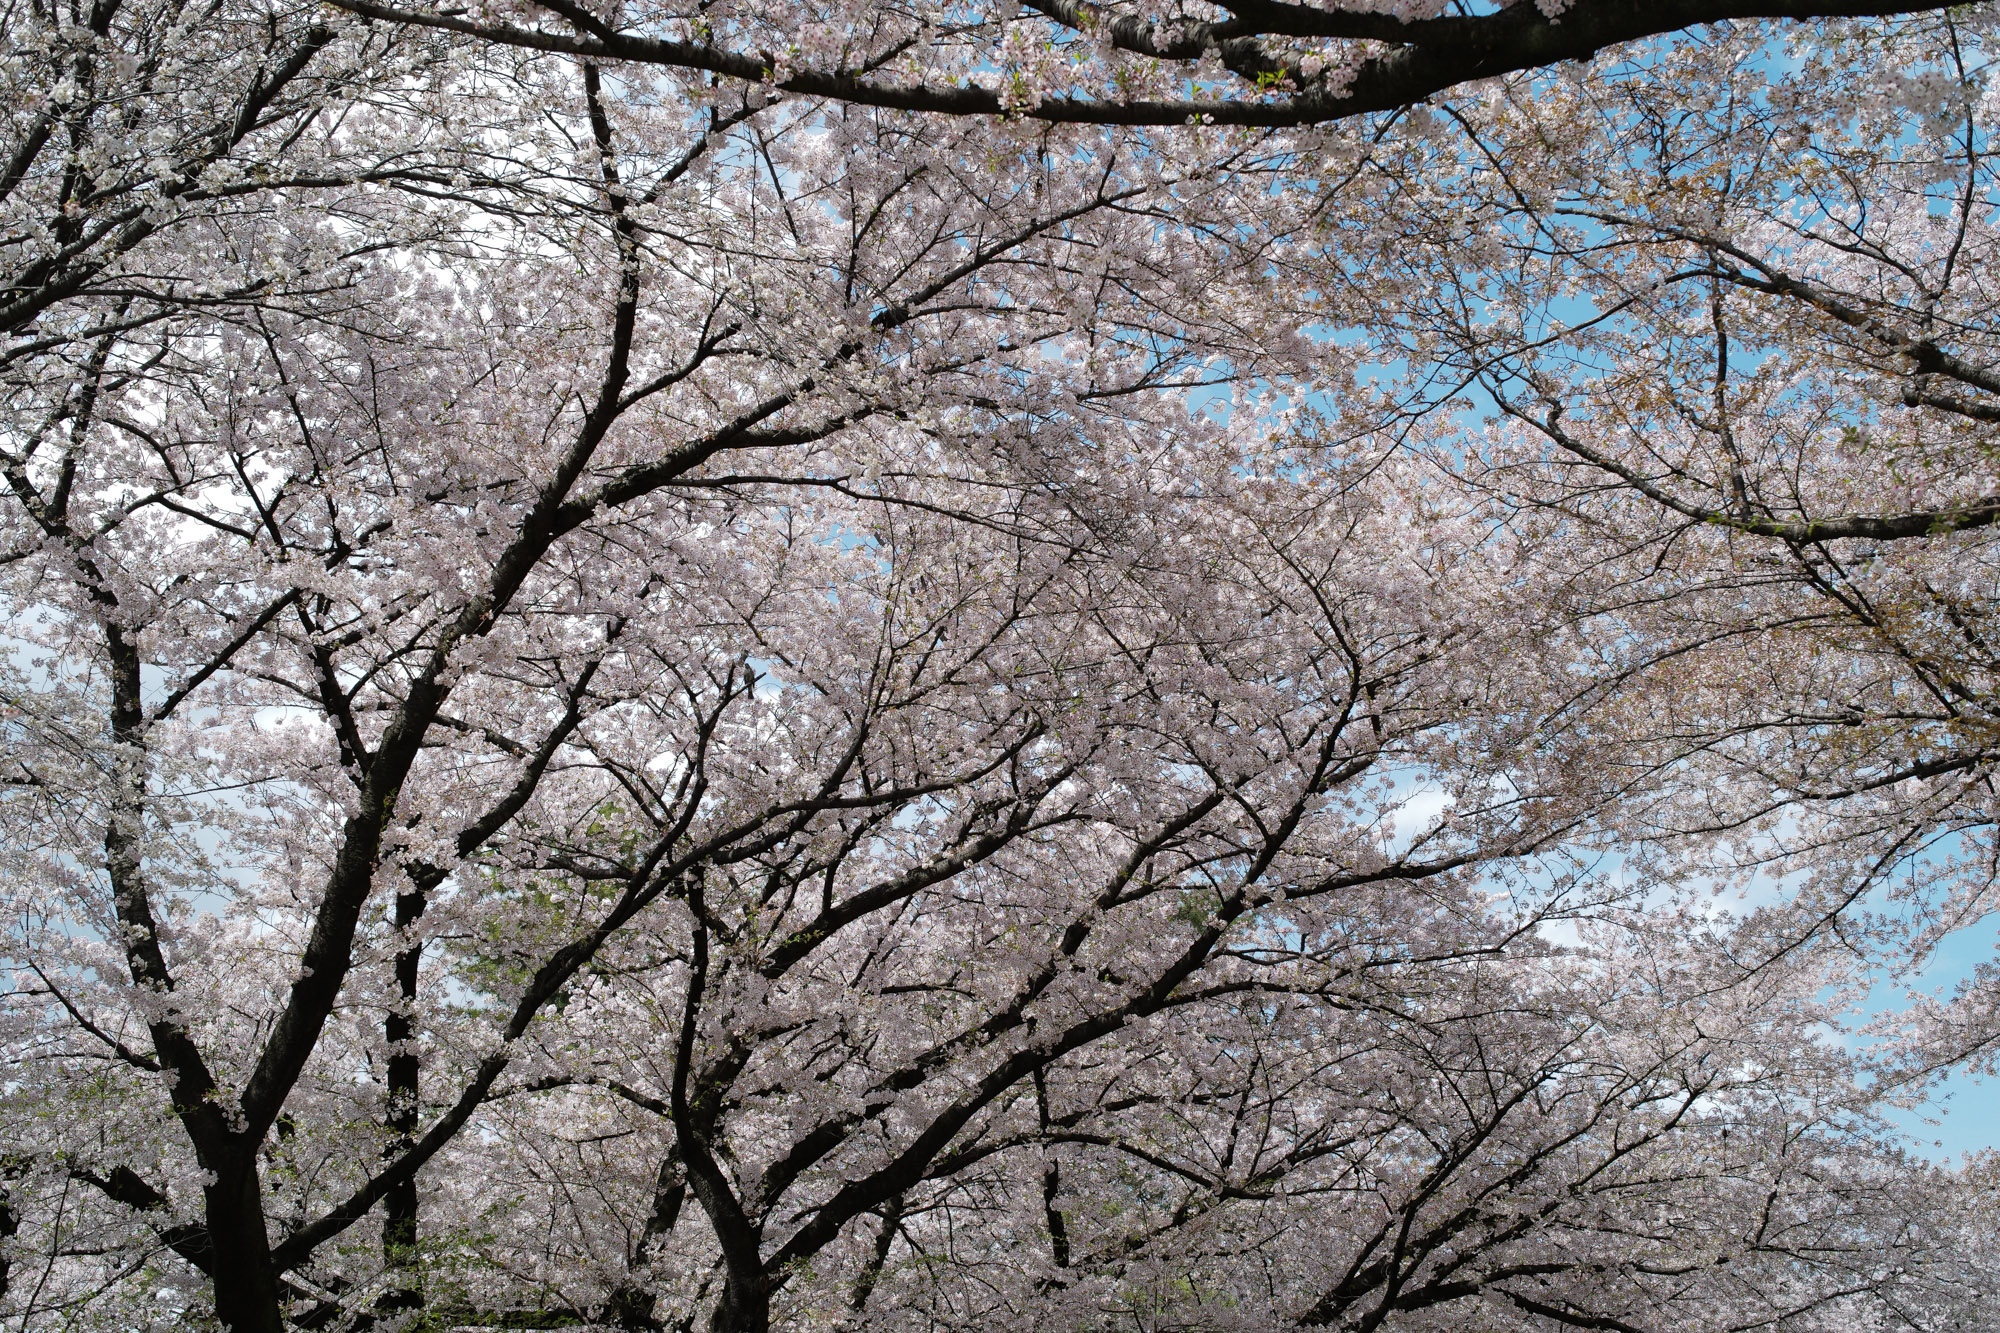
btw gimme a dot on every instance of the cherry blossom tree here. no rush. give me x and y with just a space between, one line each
1758 390
649 691
1473 1139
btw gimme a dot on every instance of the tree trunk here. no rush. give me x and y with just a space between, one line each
246 1284
399 1205
9 1224
744 1308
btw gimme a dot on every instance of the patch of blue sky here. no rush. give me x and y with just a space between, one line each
1960 1114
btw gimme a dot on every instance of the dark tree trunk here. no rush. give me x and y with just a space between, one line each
246 1282
744 1308
9 1224
399 1205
